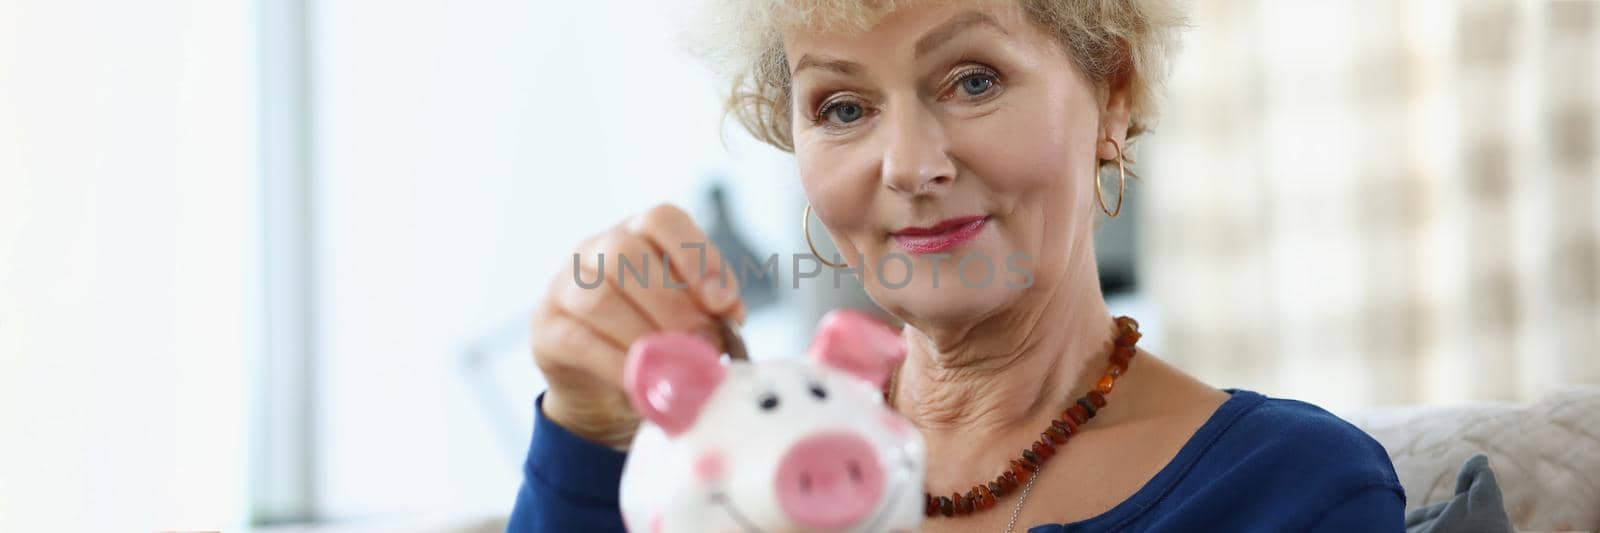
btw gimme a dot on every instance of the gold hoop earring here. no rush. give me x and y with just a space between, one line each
805 228
1122 182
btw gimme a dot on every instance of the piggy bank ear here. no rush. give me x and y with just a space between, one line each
859 344
670 376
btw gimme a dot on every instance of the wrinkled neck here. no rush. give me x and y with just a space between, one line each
1010 370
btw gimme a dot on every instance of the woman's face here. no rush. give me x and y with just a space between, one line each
951 139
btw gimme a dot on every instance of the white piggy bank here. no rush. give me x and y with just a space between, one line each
789 445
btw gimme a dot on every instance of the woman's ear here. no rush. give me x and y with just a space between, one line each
1114 119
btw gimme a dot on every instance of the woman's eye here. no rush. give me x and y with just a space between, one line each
845 113
977 84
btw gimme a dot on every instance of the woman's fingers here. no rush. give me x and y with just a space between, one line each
559 338
693 259
647 294
620 319
657 272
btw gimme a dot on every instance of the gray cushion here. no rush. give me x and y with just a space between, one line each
1475 508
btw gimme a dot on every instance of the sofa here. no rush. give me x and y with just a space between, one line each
1545 454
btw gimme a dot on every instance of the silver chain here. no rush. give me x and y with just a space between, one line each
1024 497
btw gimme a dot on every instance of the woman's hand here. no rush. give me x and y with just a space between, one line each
581 334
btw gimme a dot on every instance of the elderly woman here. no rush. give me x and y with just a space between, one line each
938 130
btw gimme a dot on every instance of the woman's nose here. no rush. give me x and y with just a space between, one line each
916 159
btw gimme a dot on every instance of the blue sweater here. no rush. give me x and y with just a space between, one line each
1258 464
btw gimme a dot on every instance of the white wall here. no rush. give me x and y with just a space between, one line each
462 149
126 263
458 149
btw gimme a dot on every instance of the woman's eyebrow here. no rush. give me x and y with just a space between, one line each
957 24
930 40
837 65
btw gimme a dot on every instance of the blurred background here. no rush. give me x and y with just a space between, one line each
266 263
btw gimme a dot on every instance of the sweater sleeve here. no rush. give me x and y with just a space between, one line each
568 483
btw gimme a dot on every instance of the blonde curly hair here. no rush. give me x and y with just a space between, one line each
1123 42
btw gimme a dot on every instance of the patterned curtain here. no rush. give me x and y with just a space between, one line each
1376 202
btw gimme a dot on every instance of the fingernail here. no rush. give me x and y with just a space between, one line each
717 291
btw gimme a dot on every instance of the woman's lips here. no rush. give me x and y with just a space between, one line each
940 237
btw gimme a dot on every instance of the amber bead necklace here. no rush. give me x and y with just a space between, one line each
1024 470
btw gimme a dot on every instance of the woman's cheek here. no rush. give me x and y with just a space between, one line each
1016 152
838 185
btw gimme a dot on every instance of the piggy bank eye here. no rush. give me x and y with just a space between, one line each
769 401
819 392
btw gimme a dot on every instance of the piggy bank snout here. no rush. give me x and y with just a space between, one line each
830 480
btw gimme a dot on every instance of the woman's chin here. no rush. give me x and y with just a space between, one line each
946 304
